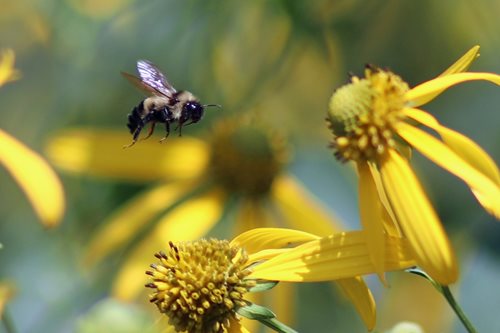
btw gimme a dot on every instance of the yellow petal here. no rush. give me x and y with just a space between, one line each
486 189
418 220
427 91
266 254
370 209
356 290
339 256
189 221
463 64
35 177
259 239
100 153
300 209
7 70
387 215
243 329
236 326
467 149
131 218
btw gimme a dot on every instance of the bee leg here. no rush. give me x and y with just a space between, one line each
137 131
167 130
150 132
130 144
180 128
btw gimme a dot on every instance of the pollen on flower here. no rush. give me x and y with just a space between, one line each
362 115
199 285
246 157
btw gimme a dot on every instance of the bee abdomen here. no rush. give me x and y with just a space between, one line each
134 118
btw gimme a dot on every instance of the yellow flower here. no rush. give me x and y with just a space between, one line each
33 174
203 286
375 121
199 285
236 172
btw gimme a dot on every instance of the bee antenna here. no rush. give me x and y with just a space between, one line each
216 105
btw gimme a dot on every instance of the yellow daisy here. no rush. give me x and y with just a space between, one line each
375 121
203 286
33 174
236 174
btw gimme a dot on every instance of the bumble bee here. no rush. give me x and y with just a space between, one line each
164 105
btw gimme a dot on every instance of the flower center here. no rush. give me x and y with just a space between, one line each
362 115
199 285
246 157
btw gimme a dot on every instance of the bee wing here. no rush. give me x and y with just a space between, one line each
154 78
145 88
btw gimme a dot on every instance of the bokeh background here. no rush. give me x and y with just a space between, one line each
281 59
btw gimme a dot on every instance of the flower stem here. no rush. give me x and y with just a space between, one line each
445 290
8 323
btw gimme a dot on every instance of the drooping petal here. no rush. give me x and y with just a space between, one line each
244 329
418 220
460 144
485 188
189 221
370 209
387 215
259 239
356 290
334 257
100 153
237 327
302 212
130 218
427 91
299 208
35 177
463 64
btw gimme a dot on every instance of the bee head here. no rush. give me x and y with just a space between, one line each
192 110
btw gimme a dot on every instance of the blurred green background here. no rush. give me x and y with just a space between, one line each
280 58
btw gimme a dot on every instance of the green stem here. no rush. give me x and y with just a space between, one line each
445 290
8 323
